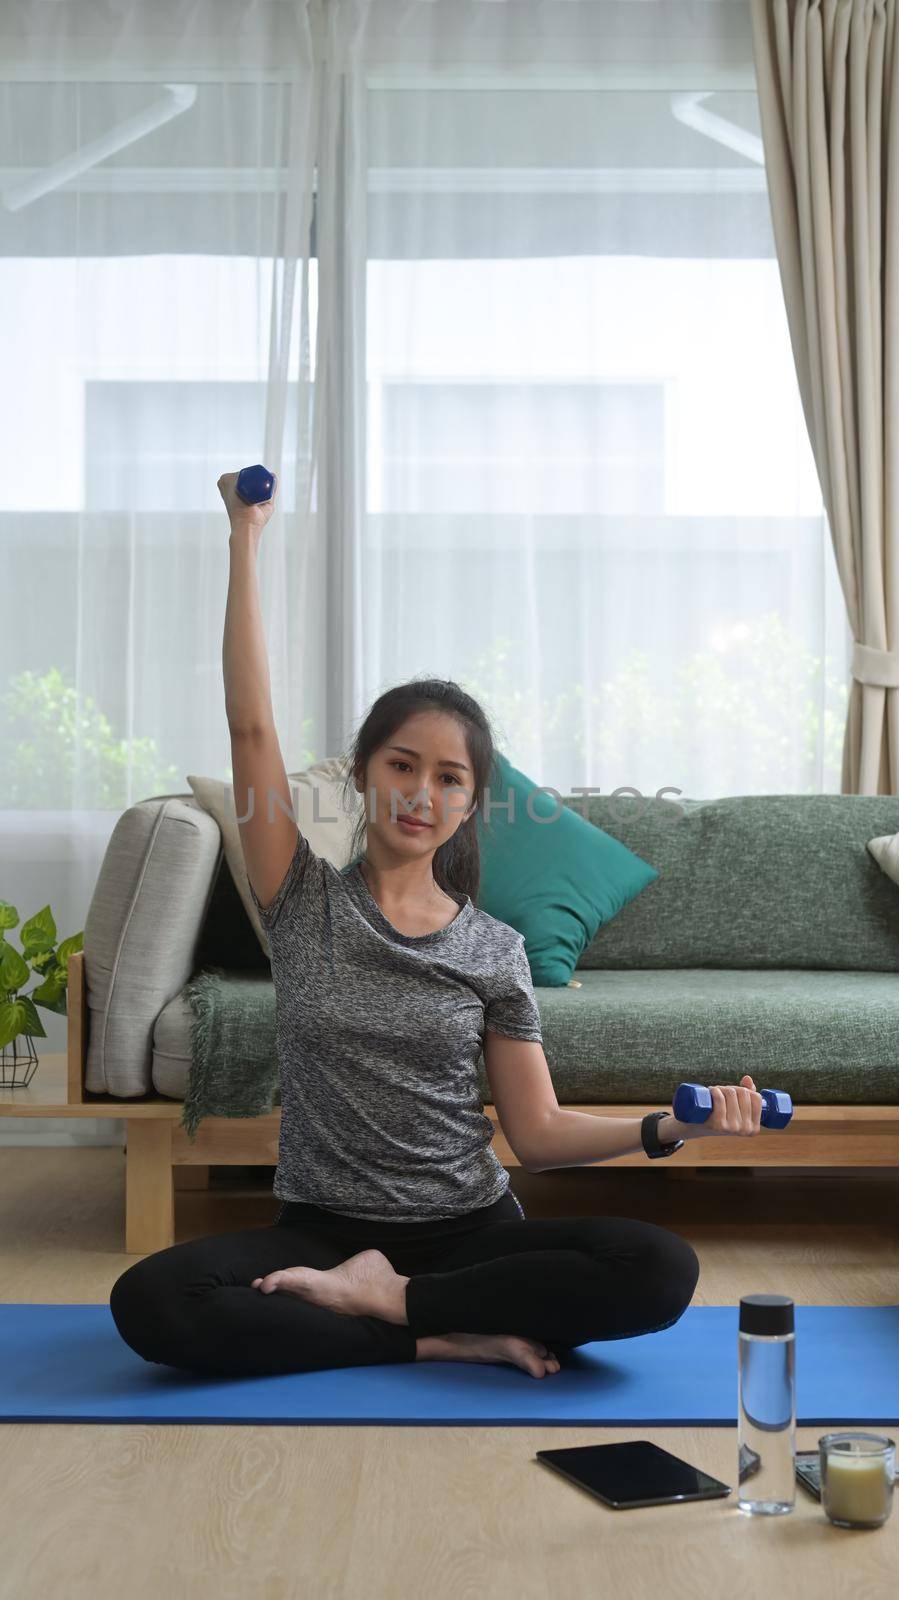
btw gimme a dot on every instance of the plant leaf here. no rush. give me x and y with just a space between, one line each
70 947
19 1016
13 970
51 993
39 928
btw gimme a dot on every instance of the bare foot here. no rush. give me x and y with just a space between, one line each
529 1354
352 1287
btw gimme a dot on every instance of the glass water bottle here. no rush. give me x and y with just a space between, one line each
766 1409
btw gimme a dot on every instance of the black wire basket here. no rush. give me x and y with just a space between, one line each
18 1062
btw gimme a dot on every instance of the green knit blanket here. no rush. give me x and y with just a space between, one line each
234 1052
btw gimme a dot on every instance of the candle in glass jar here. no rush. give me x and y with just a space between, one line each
856 1489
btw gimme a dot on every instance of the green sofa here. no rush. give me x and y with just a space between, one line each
768 944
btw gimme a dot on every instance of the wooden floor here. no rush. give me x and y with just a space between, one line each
399 1512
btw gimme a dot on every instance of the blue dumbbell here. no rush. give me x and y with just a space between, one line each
255 484
693 1103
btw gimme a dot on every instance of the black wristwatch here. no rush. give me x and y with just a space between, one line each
649 1134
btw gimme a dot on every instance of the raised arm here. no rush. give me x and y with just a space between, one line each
257 763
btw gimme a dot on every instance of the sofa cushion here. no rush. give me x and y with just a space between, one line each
758 881
548 873
141 934
827 1038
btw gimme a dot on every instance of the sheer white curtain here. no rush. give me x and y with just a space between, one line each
158 325
589 489
491 284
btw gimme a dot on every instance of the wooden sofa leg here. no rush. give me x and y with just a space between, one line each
149 1189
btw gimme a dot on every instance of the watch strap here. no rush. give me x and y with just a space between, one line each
650 1137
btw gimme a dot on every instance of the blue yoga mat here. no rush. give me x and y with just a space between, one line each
68 1363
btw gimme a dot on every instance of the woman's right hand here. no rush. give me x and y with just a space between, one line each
242 515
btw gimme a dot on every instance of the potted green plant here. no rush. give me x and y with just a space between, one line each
18 1013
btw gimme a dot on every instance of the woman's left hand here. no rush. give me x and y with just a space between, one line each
734 1109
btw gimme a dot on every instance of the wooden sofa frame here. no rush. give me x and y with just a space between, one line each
160 1157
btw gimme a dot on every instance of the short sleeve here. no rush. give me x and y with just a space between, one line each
291 886
513 1010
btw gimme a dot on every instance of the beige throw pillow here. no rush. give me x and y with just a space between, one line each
885 851
324 821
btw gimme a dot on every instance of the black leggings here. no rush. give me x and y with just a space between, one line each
562 1281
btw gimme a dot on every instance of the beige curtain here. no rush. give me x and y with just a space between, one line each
829 125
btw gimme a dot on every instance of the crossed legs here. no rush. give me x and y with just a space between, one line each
558 1282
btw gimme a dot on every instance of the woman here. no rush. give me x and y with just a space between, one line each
399 1237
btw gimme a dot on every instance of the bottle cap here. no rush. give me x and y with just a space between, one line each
766 1313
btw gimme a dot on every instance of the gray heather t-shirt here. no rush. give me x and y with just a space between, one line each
378 1037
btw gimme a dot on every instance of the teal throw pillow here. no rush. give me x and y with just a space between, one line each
550 874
